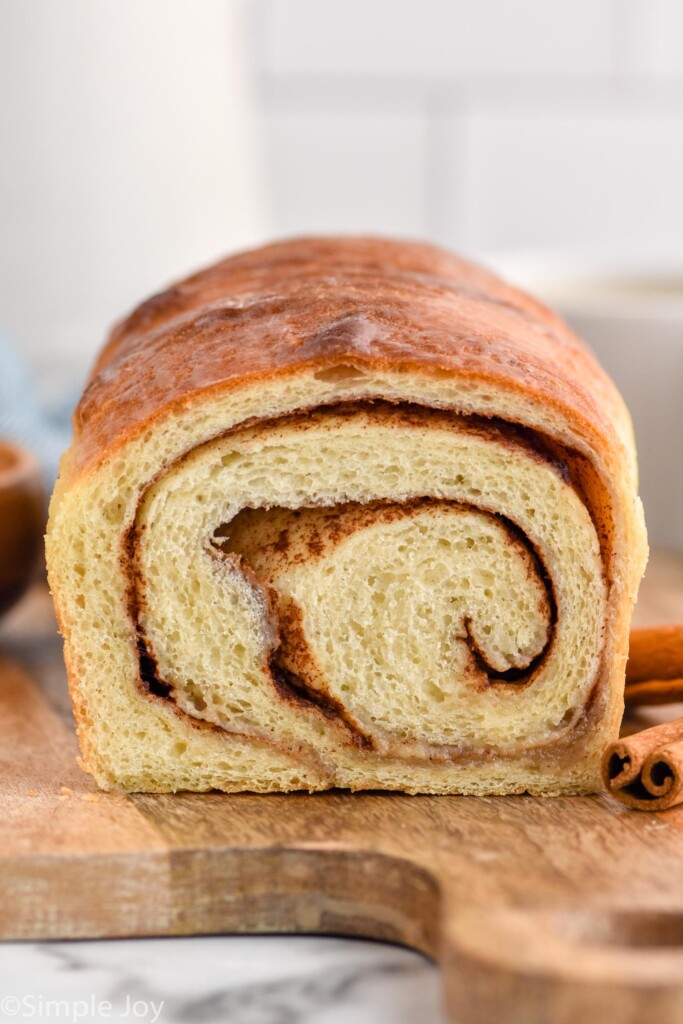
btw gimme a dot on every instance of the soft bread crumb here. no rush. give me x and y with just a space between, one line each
207 623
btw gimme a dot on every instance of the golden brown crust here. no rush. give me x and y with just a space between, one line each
325 302
331 328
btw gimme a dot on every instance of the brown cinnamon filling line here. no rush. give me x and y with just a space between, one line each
297 687
294 688
333 523
149 676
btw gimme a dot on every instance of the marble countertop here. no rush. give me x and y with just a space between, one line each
218 979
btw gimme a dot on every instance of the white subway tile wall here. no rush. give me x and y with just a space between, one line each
654 37
318 188
429 38
485 125
566 173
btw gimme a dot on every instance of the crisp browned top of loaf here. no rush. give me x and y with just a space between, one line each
324 301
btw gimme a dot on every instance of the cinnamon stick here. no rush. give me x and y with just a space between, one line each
645 771
655 653
653 691
654 671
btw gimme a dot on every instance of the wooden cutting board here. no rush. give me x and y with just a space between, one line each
537 910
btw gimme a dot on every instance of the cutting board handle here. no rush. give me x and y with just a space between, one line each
599 967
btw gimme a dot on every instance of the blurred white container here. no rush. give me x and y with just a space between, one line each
630 311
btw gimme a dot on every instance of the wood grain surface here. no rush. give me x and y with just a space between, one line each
537 910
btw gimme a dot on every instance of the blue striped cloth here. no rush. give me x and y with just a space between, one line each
26 419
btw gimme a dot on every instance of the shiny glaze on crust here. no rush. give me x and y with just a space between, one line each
319 302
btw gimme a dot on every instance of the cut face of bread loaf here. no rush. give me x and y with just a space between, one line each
347 513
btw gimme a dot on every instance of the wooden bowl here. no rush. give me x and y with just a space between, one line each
22 521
